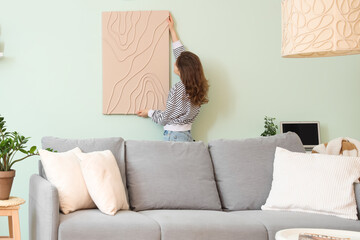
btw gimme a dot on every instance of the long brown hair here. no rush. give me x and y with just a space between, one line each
192 76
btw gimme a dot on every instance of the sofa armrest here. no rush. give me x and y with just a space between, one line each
43 209
357 197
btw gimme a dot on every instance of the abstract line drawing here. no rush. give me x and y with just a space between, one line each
135 61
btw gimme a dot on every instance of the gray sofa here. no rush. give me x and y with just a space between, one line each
178 191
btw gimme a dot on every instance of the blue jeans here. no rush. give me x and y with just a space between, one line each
184 136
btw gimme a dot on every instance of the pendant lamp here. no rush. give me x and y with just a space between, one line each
320 28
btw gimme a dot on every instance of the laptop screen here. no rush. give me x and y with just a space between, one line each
308 132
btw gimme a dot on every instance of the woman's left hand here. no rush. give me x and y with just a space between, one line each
143 113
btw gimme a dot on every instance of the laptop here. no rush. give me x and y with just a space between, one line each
309 132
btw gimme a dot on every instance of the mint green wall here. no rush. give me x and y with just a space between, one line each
50 77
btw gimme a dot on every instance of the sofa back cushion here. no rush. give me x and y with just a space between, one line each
115 145
244 168
170 175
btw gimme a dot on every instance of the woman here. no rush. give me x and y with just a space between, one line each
185 97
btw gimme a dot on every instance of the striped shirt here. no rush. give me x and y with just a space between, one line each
180 113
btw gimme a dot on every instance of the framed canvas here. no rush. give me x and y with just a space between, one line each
135 61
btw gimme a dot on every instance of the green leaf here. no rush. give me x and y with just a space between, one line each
50 150
32 149
23 151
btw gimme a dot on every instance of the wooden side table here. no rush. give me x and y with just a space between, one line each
10 208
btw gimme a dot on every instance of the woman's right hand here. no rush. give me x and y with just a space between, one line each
174 36
171 22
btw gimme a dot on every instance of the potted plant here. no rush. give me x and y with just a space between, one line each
10 144
270 127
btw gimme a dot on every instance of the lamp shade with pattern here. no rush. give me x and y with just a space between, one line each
320 28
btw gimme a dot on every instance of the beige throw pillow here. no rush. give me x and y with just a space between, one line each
103 181
64 172
314 183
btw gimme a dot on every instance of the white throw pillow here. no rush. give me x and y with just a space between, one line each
314 183
64 172
103 180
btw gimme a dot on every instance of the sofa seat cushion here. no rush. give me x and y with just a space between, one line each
277 220
94 225
205 225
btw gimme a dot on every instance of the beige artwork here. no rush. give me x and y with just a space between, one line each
135 61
